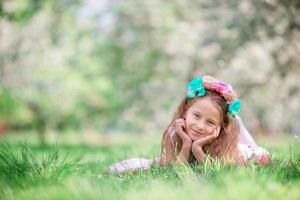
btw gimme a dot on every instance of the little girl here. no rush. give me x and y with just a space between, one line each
205 122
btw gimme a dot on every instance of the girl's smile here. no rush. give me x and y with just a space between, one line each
202 118
196 132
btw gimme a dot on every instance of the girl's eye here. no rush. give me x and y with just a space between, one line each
197 115
211 123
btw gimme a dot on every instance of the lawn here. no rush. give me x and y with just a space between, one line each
73 166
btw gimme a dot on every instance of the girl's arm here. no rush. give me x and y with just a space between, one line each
184 153
199 154
198 144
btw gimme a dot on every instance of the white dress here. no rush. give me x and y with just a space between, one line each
247 146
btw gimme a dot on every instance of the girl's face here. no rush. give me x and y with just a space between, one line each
202 118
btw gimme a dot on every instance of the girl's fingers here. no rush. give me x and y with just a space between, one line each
179 128
211 138
180 122
216 132
173 123
204 140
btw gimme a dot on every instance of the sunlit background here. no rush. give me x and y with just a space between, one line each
88 83
104 67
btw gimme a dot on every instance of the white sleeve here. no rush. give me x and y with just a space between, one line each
245 137
131 164
251 153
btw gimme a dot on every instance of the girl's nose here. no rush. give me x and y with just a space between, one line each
200 127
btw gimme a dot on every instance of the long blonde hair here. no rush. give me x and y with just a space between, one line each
224 147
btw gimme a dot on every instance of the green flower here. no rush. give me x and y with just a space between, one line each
195 86
234 107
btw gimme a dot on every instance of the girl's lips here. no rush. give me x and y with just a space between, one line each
195 135
196 132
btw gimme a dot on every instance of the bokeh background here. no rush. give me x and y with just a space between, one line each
104 67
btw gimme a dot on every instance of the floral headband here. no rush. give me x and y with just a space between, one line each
198 85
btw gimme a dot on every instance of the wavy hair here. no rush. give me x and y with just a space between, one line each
224 147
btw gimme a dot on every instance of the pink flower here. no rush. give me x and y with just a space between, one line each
222 87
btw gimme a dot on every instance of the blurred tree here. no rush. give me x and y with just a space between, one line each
117 64
19 11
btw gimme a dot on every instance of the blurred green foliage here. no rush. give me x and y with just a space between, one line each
122 65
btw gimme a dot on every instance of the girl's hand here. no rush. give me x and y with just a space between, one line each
179 125
207 139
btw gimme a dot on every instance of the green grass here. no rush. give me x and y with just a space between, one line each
64 170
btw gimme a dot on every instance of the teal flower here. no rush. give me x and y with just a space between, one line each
234 107
195 86
191 94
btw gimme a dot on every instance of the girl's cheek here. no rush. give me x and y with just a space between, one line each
188 122
210 130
